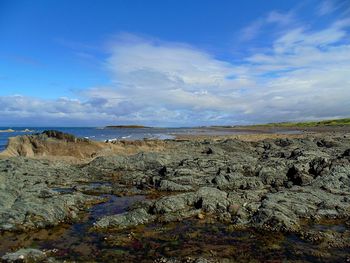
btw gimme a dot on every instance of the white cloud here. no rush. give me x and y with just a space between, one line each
304 75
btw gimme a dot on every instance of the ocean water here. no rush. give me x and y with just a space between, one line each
97 134
102 134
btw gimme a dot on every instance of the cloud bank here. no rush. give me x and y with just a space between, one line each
304 75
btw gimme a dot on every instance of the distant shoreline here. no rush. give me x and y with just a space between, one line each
126 127
306 124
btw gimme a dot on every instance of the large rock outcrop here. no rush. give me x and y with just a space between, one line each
58 145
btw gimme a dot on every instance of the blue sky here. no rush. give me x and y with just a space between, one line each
173 63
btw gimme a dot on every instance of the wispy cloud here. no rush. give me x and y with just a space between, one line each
274 18
327 7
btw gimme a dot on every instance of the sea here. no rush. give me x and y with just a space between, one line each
103 134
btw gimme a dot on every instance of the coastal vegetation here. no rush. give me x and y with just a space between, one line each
333 122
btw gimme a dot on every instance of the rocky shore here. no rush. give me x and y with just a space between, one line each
287 191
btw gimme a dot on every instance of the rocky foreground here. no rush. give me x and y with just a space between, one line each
279 187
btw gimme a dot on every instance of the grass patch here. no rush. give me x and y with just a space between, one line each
336 122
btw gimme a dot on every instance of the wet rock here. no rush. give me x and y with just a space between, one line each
173 203
27 201
25 255
234 208
271 184
237 181
166 185
283 142
128 219
170 208
184 260
28 212
337 181
298 176
273 174
296 153
328 143
106 165
200 216
208 150
163 171
246 185
211 199
179 216
148 161
206 198
319 166
346 153
284 210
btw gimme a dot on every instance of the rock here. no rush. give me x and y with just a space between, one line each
60 135
27 201
298 177
328 143
269 185
95 188
346 153
178 216
170 208
208 150
128 219
283 142
234 208
283 210
318 166
237 181
273 175
184 260
29 212
166 185
336 181
201 216
211 200
206 198
173 203
67 147
163 171
25 255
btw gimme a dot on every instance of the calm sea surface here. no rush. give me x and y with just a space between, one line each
102 134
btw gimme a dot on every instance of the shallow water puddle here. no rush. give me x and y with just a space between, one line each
338 226
66 236
114 205
62 190
198 239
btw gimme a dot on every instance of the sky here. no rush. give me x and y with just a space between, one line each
173 62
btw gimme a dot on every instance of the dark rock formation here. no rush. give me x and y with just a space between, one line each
272 185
